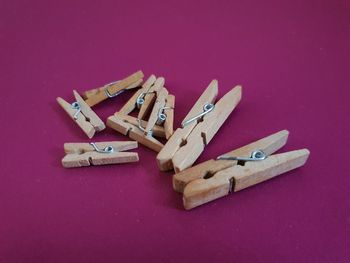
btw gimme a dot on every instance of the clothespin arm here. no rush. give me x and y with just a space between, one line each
131 103
160 103
202 170
169 121
80 148
239 177
89 93
112 89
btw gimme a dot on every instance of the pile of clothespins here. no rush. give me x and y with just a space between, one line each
231 172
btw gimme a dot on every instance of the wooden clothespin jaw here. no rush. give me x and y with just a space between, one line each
113 89
99 153
152 97
198 128
167 116
237 170
83 115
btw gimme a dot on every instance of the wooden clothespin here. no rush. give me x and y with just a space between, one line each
151 97
237 170
113 89
198 128
99 153
83 115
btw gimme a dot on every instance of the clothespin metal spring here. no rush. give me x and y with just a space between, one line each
257 155
162 116
107 149
76 106
140 99
208 107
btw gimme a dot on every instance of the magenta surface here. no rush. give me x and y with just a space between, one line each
292 59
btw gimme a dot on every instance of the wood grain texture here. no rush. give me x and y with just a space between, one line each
95 158
208 96
130 105
157 130
148 141
150 98
268 145
89 93
203 133
83 154
164 158
87 119
73 147
169 121
200 171
89 113
120 85
159 103
119 125
134 133
85 125
237 177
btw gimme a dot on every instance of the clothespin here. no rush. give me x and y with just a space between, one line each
99 153
237 170
83 115
198 128
113 89
154 97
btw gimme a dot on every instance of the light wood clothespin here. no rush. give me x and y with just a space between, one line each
83 115
99 153
187 143
151 97
237 170
113 89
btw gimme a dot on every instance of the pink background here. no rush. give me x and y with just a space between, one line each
292 58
